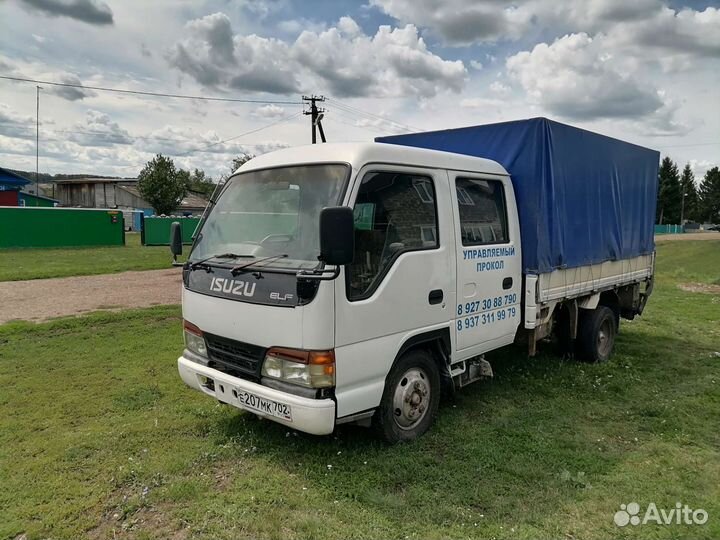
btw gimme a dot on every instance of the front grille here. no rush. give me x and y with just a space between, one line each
235 357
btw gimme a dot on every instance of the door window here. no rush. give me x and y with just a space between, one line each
394 213
481 206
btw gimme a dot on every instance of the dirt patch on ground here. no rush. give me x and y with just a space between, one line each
42 299
700 287
707 235
148 521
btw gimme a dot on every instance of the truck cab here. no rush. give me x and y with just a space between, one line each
279 324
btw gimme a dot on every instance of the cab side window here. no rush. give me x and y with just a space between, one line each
481 207
394 213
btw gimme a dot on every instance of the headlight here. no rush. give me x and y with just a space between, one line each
194 340
314 369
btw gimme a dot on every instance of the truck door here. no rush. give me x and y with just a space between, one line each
489 277
402 280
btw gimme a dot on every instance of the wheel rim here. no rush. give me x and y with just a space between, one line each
411 399
605 337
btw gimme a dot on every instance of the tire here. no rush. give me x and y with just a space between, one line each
410 399
596 335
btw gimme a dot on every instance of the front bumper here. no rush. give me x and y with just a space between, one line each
315 416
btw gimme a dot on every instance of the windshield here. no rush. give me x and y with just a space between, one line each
272 212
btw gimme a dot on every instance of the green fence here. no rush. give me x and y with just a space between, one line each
156 230
60 227
669 229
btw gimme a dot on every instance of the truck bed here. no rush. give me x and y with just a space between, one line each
570 283
543 291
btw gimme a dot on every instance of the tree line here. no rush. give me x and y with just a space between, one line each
681 200
164 186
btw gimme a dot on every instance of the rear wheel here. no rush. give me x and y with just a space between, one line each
411 398
596 335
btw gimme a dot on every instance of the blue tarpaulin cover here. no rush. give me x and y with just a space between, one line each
583 198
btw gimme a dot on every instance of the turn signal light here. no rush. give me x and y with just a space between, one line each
194 340
314 369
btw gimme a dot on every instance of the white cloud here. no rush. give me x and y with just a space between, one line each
87 11
13 124
462 22
38 71
500 89
476 64
700 167
269 111
394 62
579 77
650 25
98 130
482 103
296 26
342 60
12 145
215 32
214 57
70 93
638 23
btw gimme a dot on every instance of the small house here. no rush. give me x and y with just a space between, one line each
11 184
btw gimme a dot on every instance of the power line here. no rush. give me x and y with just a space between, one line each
153 94
109 135
204 148
355 110
104 135
370 116
373 129
374 125
689 145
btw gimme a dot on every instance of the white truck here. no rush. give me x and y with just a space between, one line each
340 283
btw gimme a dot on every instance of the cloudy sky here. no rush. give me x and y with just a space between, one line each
647 71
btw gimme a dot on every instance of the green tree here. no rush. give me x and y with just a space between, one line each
669 194
689 194
199 182
710 196
237 162
162 185
240 160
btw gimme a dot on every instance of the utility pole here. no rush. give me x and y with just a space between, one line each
316 116
682 208
37 142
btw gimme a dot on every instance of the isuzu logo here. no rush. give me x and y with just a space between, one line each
232 286
270 290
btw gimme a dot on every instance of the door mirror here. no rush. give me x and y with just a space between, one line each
175 239
337 235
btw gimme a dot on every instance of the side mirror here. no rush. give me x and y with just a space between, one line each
337 235
175 240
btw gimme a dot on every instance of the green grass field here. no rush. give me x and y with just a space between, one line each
99 438
17 264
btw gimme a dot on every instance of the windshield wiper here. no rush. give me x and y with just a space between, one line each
242 267
204 262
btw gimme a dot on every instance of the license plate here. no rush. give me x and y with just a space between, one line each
265 406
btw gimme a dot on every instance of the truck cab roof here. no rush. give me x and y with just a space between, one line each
358 154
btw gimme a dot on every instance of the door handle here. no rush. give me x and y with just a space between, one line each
435 297
507 283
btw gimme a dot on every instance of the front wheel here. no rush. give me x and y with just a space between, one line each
411 398
596 335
